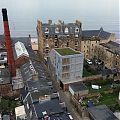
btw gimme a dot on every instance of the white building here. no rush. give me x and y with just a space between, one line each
20 113
68 65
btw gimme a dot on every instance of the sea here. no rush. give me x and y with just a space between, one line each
94 14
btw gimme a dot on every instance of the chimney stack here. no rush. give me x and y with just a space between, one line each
8 42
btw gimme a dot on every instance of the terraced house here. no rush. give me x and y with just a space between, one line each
70 35
112 50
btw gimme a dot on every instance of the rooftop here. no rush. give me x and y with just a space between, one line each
101 112
112 47
20 49
20 110
101 34
66 51
78 86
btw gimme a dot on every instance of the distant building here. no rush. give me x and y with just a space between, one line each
101 112
78 89
67 65
92 38
60 35
112 50
34 44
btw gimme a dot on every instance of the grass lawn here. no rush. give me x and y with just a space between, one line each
107 97
88 72
66 51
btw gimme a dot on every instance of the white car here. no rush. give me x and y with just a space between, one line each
89 61
99 62
70 116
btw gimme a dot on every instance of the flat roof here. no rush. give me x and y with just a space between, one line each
66 51
101 112
20 110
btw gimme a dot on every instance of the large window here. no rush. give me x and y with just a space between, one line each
65 76
65 61
65 68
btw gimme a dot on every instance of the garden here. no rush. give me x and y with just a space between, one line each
105 95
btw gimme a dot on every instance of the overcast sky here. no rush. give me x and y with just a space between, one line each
28 11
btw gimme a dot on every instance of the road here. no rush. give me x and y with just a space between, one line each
65 97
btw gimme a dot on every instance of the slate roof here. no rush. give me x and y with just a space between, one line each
112 47
78 86
53 110
5 76
101 34
1 38
35 88
71 28
101 112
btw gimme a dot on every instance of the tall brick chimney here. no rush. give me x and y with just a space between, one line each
8 43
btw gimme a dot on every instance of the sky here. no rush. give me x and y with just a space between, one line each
23 14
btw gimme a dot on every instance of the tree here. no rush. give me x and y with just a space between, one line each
100 54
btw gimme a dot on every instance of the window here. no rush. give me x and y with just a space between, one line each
46 30
65 68
56 44
65 76
57 30
46 36
56 37
76 29
47 51
66 30
65 61
76 43
67 44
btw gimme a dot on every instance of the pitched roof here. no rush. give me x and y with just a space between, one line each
113 47
61 28
101 112
20 49
101 34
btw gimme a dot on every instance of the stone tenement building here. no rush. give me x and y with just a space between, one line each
112 51
70 35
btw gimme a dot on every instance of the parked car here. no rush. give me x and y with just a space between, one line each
89 61
99 62
70 116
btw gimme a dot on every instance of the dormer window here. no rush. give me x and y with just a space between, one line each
46 30
57 30
56 37
76 29
66 30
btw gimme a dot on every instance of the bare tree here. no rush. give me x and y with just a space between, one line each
100 53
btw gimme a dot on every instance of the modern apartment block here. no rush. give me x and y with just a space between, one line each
67 65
